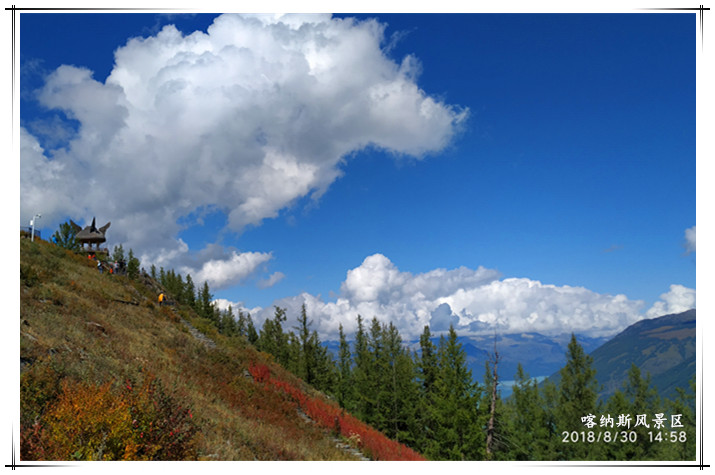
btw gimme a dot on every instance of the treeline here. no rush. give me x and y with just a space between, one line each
428 399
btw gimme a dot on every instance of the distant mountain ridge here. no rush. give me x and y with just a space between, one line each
663 347
539 355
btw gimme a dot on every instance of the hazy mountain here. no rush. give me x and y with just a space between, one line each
663 347
540 355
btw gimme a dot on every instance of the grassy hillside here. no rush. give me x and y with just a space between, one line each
663 347
108 374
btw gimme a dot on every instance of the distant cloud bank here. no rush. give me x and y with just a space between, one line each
677 299
244 119
474 301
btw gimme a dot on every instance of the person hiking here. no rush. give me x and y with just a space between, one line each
161 299
99 266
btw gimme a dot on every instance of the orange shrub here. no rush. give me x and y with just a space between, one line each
88 422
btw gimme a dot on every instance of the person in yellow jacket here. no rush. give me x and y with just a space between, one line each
161 299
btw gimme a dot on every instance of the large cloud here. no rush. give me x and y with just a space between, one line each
677 299
474 301
244 119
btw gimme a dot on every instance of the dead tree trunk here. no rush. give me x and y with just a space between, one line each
492 410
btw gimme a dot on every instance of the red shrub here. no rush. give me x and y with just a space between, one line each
331 417
260 372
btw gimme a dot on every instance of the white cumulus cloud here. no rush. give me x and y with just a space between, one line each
244 119
219 273
474 301
678 299
272 280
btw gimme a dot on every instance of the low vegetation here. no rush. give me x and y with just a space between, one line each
107 373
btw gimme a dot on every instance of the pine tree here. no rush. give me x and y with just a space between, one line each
189 292
454 405
616 405
344 381
228 322
401 399
295 356
251 332
324 370
375 391
307 357
427 363
204 304
362 372
526 432
490 402
272 339
66 237
549 402
241 323
133 265
636 397
578 397
426 372
118 253
681 410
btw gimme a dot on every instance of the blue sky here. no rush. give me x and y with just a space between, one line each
533 172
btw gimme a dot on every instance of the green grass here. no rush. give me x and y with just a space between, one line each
81 330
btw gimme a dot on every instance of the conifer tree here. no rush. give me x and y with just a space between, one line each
307 354
118 253
549 402
375 391
491 404
578 398
66 237
454 405
133 265
526 432
362 372
426 373
402 395
251 332
241 323
228 322
681 410
295 356
344 380
324 372
189 291
427 363
204 304
272 339
637 397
